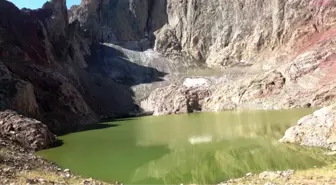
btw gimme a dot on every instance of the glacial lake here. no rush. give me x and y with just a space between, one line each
202 148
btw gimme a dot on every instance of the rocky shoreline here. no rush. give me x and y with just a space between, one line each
18 164
21 166
266 178
306 177
27 132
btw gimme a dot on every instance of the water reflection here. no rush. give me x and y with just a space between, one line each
179 130
200 148
220 145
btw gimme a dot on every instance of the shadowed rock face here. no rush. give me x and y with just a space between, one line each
53 71
120 21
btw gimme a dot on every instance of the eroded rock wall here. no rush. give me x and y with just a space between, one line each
284 50
226 33
220 34
52 72
129 22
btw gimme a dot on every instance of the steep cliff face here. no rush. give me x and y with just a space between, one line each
219 33
131 22
227 33
50 72
74 66
283 49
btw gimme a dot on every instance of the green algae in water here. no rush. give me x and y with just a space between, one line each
199 148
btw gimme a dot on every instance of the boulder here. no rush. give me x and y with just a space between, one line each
176 99
315 130
29 133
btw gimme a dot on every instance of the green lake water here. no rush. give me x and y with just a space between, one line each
201 148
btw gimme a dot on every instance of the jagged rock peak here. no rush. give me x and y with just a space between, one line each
59 8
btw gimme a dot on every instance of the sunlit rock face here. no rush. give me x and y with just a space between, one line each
175 99
235 35
281 47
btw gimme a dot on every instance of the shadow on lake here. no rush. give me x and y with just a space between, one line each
83 128
104 124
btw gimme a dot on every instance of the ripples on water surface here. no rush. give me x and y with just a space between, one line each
197 148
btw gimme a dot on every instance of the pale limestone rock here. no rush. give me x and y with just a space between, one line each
317 130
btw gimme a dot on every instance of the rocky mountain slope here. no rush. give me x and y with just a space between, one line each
54 71
45 73
51 70
284 52
239 33
101 58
